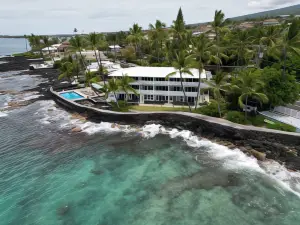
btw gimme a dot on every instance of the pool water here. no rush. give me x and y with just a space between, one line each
71 95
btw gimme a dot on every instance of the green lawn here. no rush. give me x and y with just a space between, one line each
158 108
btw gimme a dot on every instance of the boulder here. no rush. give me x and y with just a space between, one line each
258 155
76 129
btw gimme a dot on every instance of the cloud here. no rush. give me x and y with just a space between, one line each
61 16
268 4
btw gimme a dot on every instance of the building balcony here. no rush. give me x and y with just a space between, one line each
168 83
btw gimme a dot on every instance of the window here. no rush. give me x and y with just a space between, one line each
147 88
136 87
149 97
161 88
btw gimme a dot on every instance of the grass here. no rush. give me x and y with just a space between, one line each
158 108
258 121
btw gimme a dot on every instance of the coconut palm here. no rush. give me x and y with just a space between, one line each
219 84
35 43
157 34
182 64
135 35
77 44
124 85
218 25
241 42
94 40
47 44
289 43
113 86
66 71
247 85
203 53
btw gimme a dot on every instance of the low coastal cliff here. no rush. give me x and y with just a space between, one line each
278 145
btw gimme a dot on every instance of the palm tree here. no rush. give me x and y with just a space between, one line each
241 41
135 35
219 84
157 34
124 85
35 43
66 71
93 39
218 25
113 86
290 43
182 65
248 85
47 44
202 52
77 44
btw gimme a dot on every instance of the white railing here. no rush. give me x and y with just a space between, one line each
168 83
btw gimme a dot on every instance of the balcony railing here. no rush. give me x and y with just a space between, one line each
168 83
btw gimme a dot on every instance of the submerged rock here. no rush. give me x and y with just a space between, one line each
76 130
97 172
61 211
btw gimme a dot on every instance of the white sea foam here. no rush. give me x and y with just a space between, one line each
2 114
230 159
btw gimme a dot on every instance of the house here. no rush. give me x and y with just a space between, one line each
154 88
270 22
245 25
202 30
114 48
49 49
63 47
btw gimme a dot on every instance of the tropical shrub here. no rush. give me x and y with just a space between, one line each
123 107
211 109
236 117
280 90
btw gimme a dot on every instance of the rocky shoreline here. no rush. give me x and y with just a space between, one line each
22 64
261 148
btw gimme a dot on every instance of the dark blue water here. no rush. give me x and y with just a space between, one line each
9 46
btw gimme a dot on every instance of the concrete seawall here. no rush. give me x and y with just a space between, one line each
280 145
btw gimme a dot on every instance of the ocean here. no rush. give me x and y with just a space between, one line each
9 46
111 174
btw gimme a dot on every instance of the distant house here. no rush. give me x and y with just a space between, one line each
245 25
64 46
116 48
49 49
204 29
270 22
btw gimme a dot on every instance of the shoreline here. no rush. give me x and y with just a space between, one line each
250 140
259 142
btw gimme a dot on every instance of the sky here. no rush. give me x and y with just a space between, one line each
19 17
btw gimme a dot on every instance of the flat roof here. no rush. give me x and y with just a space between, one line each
159 72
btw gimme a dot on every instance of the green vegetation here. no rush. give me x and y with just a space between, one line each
28 55
258 121
158 108
256 68
214 108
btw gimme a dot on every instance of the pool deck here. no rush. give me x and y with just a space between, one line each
84 92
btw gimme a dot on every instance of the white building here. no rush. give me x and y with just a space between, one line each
154 88
116 48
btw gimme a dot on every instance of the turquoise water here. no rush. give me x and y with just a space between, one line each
9 46
71 95
52 176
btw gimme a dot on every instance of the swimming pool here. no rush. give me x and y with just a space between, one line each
71 95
